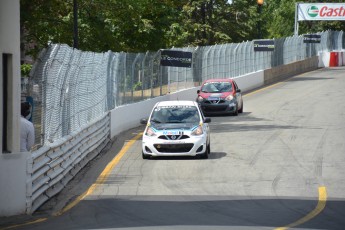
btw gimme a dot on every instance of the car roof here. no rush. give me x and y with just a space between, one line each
176 102
219 79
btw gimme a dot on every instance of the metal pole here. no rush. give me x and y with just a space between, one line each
259 21
132 77
296 19
75 24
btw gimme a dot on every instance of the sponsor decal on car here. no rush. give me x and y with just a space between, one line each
173 142
172 132
173 107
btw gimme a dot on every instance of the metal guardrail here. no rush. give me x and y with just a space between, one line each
53 166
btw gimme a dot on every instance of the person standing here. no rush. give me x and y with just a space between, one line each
27 131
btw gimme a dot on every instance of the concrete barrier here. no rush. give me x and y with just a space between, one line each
331 59
339 58
285 71
250 81
128 116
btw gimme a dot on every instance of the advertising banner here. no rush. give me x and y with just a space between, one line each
321 11
176 58
312 38
264 45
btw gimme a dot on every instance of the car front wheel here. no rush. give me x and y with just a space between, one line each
236 111
205 154
145 156
241 110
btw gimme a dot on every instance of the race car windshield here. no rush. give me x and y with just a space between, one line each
216 87
175 114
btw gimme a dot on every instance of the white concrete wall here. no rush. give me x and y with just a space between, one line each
250 81
128 116
13 176
324 59
342 59
12 165
10 44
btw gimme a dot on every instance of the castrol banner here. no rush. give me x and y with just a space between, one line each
321 11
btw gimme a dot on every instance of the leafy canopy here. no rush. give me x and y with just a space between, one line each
150 25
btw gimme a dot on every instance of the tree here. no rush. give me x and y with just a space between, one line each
131 25
150 25
25 70
43 22
279 19
279 16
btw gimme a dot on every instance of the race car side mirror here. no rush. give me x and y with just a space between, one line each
143 121
207 120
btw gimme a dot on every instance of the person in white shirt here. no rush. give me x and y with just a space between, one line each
27 131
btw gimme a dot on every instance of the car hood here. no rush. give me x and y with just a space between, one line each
174 126
220 95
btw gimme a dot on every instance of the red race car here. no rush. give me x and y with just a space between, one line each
220 96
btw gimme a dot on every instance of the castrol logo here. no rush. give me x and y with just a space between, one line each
313 11
326 11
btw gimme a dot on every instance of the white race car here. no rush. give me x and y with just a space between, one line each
176 128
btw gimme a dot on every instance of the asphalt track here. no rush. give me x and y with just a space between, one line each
278 165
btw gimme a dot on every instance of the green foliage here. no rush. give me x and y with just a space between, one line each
25 69
150 25
137 86
279 19
45 21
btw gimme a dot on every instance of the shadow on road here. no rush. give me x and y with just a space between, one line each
186 212
310 78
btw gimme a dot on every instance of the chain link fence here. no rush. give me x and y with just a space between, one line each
72 88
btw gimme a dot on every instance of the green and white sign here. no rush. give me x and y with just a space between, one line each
321 11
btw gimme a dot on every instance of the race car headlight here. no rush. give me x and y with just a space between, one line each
229 98
199 99
198 131
149 132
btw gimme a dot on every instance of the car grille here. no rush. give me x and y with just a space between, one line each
173 148
173 137
215 101
214 108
